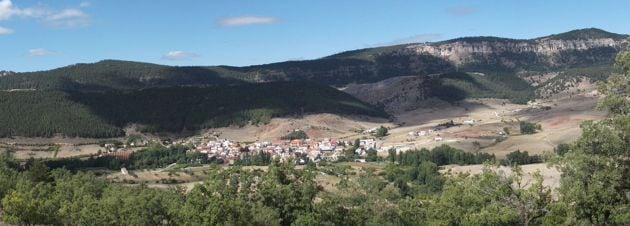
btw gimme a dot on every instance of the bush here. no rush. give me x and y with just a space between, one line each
521 158
381 132
529 128
372 155
297 134
562 149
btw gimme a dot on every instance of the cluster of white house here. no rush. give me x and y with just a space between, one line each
326 148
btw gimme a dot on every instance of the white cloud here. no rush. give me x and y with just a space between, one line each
85 4
5 31
246 20
68 18
179 55
6 9
39 52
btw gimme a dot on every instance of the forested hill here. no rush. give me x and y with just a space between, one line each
114 75
44 113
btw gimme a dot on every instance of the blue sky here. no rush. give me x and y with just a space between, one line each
41 35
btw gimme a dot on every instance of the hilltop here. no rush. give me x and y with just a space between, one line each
586 33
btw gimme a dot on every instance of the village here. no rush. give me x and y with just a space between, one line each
301 150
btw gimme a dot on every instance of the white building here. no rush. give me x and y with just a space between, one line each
367 144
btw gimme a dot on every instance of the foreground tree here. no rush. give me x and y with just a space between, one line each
595 184
492 198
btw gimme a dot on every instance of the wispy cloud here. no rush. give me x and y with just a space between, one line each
64 18
5 31
68 18
179 55
39 52
461 10
247 20
8 10
85 4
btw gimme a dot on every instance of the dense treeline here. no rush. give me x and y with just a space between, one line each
103 114
521 158
421 167
158 156
154 156
259 158
441 155
48 113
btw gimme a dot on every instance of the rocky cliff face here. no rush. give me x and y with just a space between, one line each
503 64
551 52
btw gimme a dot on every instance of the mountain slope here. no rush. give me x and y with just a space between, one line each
405 93
506 64
103 114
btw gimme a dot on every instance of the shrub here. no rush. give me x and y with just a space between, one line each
529 128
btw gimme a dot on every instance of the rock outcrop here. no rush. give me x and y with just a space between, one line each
552 52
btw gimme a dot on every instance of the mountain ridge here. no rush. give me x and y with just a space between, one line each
450 71
593 33
486 54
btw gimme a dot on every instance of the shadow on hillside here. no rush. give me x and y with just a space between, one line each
177 109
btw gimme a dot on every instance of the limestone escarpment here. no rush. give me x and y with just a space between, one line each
513 54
